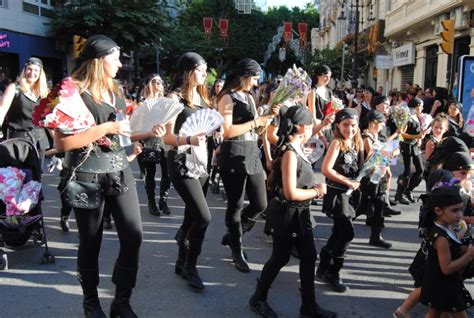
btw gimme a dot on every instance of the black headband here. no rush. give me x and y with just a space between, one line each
445 195
98 46
34 61
189 61
346 113
295 115
247 67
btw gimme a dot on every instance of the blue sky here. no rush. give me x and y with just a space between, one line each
288 3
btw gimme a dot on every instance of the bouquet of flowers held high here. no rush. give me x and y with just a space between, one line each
400 114
425 121
333 106
295 84
18 197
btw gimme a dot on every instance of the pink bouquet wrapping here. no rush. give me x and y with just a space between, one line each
19 198
64 110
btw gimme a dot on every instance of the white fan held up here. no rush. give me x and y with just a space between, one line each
201 122
153 112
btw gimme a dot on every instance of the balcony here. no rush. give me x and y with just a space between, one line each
411 13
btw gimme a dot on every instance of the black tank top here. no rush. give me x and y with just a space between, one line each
244 108
347 164
413 128
19 116
187 111
304 172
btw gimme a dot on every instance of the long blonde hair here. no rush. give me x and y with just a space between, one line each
148 90
91 76
186 92
39 88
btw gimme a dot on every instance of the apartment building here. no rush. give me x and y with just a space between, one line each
24 33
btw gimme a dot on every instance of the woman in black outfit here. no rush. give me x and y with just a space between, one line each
190 89
18 104
410 149
109 169
154 89
240 165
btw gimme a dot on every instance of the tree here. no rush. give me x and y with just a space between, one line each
131 23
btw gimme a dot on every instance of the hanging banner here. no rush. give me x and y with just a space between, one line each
207 23
224 29
465 90
287 30
303 33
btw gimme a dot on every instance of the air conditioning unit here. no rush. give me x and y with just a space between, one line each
436 22
461 19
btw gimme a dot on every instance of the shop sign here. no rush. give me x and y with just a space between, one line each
383 62
4 41
404 55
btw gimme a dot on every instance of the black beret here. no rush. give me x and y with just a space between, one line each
459 161
96 46
247 67
376 100
346 113
375 115
189 61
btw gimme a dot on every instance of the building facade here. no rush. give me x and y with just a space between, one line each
24 33
413 31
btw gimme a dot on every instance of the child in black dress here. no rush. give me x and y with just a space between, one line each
442 288
288 219
341 167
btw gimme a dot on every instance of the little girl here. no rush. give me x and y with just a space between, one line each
442 288
439 126
373 195
289 219
341 167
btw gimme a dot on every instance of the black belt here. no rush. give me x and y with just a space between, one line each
96 163
295 204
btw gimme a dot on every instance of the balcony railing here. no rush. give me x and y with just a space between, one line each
412 12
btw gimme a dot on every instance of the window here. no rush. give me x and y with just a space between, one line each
38 7
3 3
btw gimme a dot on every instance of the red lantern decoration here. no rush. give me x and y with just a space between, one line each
303 33
207 23
287 31
224 30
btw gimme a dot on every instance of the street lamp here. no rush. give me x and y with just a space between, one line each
355 19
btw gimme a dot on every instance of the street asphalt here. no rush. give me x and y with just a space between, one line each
378 278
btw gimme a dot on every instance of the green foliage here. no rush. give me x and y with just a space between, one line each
130 23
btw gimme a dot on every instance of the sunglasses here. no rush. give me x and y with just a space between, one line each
360 92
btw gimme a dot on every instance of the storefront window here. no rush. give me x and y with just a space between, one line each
42 8
3 3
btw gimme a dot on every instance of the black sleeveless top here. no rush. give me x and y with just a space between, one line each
19 116
320 103
240 154
413 128
347 164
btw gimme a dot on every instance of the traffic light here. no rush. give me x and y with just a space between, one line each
448 36
77 45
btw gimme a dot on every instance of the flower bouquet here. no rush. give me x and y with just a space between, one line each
64 110
333 106
400 114
19 198
295 84
377 164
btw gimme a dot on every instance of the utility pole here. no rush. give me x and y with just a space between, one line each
354 81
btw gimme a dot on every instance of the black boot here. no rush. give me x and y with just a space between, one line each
238 257
388 211
124 279
107 222
180 239
164 206
150 193
332 275
402 184
152 208
258 302
89 279
190 272
64 223
311 309
376 238
324 259
415 180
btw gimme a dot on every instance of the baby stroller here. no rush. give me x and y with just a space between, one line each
22 154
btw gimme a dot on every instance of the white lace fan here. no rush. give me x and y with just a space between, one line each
317 148
153 112
203 121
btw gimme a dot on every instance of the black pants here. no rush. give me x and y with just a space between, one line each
126 213
341 236
197 215
281 252
236 185
411 153
149 169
